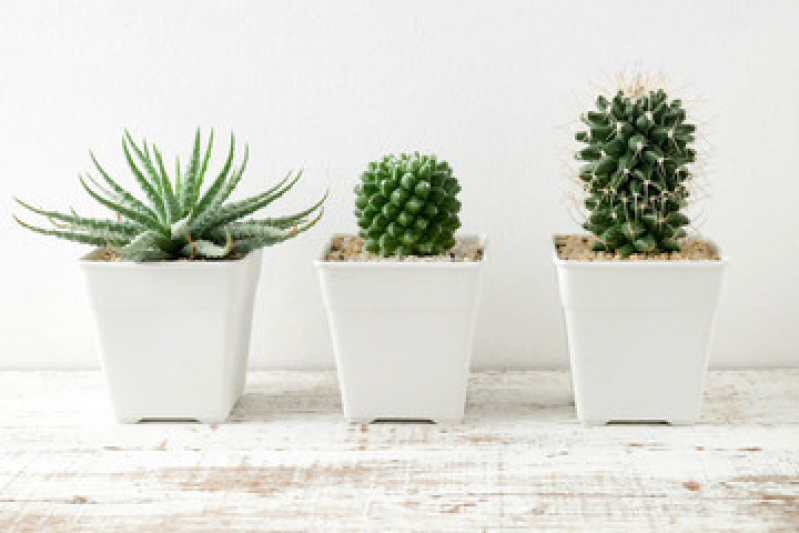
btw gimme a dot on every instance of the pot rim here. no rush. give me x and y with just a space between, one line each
86 261
481 238
722 261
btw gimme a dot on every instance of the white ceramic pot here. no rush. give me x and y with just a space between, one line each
402 335
639 335
174 336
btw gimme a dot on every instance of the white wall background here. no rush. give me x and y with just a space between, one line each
330 85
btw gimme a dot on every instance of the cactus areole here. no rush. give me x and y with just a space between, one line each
637 154
407 205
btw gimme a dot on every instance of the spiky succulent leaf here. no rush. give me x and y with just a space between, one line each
205 226
143 155
201 174
210 195
144 242
290 220
149 190
75 222
123 194
237 210
178 177
637 167
180 229
209 249
74 236
190 178
407 205
248 230
130 213
171 205
205 219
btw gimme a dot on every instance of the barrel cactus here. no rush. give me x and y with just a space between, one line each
177 218
407 205
637 170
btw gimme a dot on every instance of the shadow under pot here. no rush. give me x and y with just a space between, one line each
402 334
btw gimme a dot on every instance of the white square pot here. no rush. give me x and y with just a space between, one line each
639 335
174 336
402 335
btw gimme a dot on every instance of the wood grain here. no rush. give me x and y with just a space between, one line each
289 462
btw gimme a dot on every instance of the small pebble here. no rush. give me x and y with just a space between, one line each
350 248
578 248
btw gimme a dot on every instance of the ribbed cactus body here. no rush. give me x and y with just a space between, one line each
407 205
637 167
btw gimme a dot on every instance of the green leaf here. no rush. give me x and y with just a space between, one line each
241 209
269 238
210 194
144 158
208 249
290 220
144 242
205 220
123 228
123 193
130 214
147 187
171 205
180 229
234 180
190 179
178 178
201 175
245 230
73 236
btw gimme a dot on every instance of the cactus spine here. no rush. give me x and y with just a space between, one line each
407 205
636 171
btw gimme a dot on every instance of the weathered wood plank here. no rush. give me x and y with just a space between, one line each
288 462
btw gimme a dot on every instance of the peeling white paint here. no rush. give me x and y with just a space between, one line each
289 462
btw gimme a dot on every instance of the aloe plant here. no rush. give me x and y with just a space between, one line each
178 217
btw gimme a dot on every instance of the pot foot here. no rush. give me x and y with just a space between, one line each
685 422
127 419
359 420
448 421
212 419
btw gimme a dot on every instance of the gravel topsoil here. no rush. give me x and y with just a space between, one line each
348 248
578 248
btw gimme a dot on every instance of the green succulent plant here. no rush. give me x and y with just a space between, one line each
636 171
177 218
407 205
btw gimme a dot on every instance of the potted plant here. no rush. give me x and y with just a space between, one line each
172 279
403 295
639 294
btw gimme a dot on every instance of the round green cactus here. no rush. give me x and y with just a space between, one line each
407 205
637 158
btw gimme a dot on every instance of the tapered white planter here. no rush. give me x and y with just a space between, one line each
639 335
174 336
402 335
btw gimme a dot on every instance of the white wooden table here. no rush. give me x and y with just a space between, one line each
289 462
